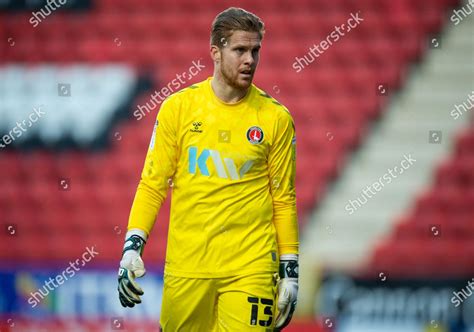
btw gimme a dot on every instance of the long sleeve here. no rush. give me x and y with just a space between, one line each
282 169
159 168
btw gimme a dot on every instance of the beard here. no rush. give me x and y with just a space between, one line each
232 78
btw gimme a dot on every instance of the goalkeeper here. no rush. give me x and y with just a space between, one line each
228 149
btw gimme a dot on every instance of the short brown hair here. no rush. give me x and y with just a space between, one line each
233 19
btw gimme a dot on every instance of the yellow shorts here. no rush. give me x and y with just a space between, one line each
241 303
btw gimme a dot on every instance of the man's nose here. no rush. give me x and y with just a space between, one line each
249 59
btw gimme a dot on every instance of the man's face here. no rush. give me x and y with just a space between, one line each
239 58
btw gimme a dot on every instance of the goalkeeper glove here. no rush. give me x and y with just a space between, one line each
131 267
287 289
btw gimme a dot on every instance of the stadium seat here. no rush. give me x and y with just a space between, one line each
439 226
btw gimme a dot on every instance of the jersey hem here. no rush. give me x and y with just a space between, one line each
226 274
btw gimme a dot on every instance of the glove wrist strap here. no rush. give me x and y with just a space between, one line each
288 268
134 242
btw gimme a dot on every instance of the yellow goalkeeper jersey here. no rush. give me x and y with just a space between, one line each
231 168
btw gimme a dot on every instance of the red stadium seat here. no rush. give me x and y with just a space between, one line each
465 144
441 225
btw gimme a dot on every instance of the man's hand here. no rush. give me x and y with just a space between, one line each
287 290
131 267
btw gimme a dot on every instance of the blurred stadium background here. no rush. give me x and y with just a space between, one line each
77 80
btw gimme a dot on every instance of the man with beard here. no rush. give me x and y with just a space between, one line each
228 149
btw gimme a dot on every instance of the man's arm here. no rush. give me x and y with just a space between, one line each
160 166
282 170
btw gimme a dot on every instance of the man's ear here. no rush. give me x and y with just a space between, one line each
215 53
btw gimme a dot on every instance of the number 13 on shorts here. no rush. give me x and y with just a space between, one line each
261 311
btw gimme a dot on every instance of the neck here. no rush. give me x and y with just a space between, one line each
228 94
